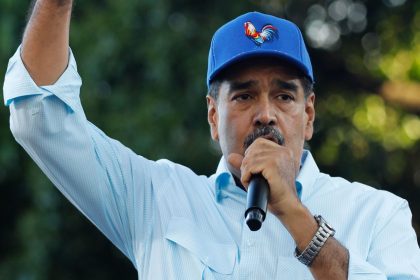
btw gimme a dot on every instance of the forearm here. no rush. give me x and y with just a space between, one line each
46 40
332 260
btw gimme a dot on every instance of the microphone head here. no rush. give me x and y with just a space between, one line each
254 219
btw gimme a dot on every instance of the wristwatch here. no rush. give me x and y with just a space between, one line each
311 251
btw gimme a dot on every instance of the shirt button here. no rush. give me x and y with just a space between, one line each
250 242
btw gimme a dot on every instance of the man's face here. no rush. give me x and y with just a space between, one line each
261 94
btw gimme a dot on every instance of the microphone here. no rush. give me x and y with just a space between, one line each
256 202
258 189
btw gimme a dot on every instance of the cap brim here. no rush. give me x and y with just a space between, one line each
260 53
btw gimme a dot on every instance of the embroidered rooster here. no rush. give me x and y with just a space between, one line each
267 33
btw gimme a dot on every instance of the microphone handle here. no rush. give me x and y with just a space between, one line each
256 202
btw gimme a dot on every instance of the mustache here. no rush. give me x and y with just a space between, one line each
265 130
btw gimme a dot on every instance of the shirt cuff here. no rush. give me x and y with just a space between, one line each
18 82
361 269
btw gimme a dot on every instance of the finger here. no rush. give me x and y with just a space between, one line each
250 167
237 162
259 145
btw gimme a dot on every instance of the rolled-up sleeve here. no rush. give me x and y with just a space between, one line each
100 176
361 269
394 252
18 83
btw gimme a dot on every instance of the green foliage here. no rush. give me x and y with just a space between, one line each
143 65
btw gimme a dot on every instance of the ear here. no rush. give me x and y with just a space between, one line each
310 115
212 117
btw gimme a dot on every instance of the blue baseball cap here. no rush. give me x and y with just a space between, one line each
254 35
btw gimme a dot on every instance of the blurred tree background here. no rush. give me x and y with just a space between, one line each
143 65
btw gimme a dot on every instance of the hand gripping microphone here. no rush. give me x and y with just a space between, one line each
258 189
256 202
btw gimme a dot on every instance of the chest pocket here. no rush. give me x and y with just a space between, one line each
218 256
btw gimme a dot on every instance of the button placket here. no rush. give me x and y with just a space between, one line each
247 252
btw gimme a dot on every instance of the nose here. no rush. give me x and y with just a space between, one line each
265 114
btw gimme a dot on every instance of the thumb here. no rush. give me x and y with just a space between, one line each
235 160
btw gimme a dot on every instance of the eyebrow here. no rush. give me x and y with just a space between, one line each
280 84
235 86
291 86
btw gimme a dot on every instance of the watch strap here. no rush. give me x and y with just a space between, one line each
324 231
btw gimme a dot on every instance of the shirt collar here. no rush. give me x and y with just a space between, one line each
305 180
224 179
307 176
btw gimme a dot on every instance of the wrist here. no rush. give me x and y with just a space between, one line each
52 8
58 3
312 250
300 223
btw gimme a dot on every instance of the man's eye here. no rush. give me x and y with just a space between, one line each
242 97
285 97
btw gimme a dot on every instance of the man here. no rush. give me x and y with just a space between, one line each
173 224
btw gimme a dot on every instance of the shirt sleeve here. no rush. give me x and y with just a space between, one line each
106 181
394 251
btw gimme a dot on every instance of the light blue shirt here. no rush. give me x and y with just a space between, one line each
174 224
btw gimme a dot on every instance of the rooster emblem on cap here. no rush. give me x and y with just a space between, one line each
267 33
